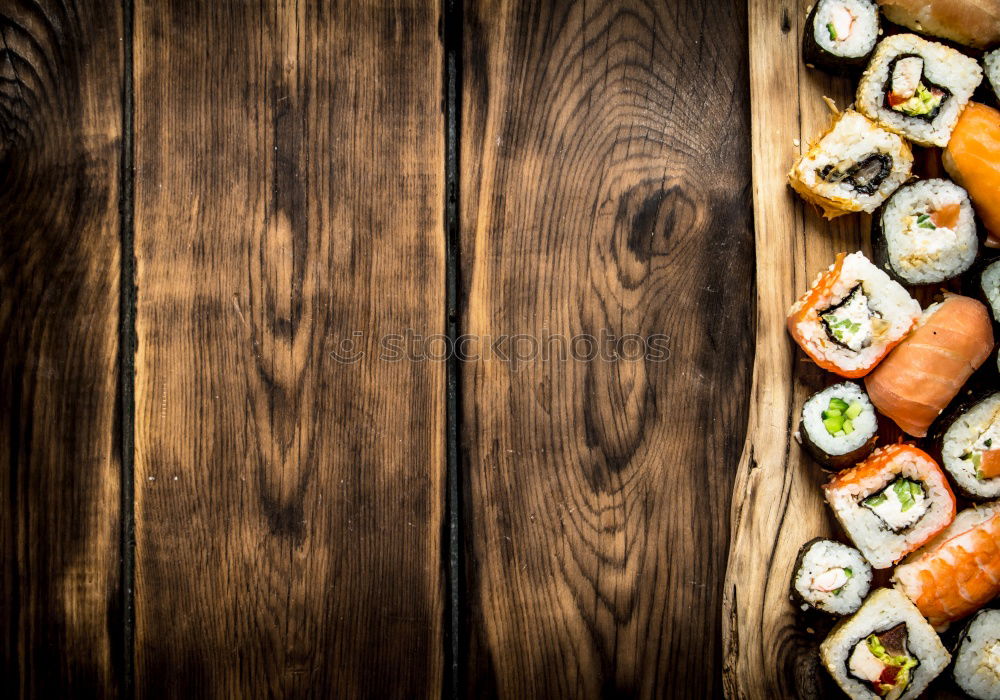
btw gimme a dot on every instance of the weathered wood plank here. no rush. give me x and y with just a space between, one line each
288 505
605 187
61 73
770 650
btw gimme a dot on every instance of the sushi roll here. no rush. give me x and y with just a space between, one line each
830 577
983 282
892 503
926 371
975 23
977 661
917 88
991 67
970 449
973 161
838 426
852 316
840 35
925 233
957 572
886 649
852 167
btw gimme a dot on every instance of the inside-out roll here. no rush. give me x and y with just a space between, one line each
854 166
886 649
917 88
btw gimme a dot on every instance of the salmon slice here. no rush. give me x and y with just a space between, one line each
946 216
954 578
924 373
972 158
990 466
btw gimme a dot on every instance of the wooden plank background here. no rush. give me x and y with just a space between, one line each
60 124
212 216
604 188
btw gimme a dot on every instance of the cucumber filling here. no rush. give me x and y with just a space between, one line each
838 418
851 323
900 504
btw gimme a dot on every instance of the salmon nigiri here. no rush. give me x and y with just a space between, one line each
923 374
972 158
957 572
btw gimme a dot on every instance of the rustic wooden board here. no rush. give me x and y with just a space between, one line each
770 649
604 187
289 190
60 131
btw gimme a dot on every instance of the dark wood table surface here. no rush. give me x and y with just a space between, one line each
238 240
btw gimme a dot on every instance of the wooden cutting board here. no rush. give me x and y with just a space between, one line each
770 650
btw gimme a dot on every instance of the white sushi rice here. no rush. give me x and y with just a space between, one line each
918 253
886 298
977 662
852 139
871 533
990 282
991 62
942 66
826 559
883 610
973 432
862 29
865 425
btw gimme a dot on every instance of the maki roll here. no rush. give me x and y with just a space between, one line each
852 316
970 449
892 503
830 577
925 233
840 35
977 661
928 369
838 426
991 67
917 88
886 649
958 572
852 167
988 286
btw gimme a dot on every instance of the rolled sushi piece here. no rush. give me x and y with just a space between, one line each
958 572
927 370
991 67
853 166
925 233
830 577
892 503
886 649
984 282
970 449
917 88
977 661
852 316
838 426
840 35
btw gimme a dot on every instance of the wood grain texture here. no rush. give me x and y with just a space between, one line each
771 649
605 187
289 169
60 133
